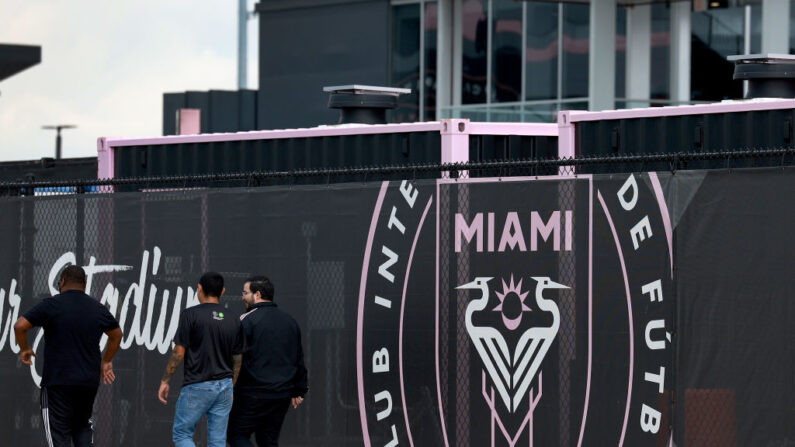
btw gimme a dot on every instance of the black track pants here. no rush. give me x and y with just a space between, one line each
66 413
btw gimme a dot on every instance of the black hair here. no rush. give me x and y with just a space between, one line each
263 285
73 275
213 284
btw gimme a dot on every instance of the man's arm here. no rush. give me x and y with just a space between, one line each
300 381
238 362
21 328
176 358
114 341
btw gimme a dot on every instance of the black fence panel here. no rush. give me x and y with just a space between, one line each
733 248
628 308
710 132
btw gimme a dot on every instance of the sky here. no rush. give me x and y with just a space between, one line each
106 64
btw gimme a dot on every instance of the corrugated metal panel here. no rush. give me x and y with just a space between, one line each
48 169
512 147
689 133
280 154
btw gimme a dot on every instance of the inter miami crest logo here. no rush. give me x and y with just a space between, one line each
512 367
478 306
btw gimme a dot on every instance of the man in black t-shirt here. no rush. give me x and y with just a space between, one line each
73 324
273 375
210 341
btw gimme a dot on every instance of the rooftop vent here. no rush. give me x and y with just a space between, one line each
363 104
768 75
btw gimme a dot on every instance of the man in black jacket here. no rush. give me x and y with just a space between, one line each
273 375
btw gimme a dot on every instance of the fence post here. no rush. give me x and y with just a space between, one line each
455 142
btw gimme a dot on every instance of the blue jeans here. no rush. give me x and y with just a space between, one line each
213 398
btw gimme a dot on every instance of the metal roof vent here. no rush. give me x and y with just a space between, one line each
363 104
768 75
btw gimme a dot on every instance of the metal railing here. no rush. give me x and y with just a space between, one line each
545 110
729 159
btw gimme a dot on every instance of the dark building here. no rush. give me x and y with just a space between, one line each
48 169
219 110
16 58
506 60
493 60
305 45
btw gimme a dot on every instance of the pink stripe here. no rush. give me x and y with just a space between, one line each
629 311
529 129
402 312
493 416
528 419
438 374
448 181
242 317
326 131
655 183
360 318
534 403
699 109
590 311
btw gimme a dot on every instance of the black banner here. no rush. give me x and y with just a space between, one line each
632 309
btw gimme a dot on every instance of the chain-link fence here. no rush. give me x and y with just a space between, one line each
72 217
624 163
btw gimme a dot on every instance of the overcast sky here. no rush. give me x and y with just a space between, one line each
106 64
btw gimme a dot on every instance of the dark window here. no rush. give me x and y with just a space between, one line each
660 51
541 55
406 60
575 50
429 80
621 54
717 33
475 36
506 32
756 29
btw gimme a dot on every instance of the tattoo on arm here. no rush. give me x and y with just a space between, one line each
173 363
238 359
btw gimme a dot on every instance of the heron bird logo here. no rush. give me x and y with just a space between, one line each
512 370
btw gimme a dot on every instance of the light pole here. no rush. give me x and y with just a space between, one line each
58 128
242 44
243 16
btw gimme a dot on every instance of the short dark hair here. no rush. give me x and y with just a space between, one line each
213 284
263 285
74 275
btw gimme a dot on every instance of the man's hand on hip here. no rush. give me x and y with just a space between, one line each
107 373
25 355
